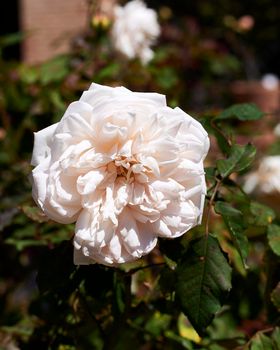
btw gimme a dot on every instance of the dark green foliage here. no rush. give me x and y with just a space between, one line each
244 111
240 158
261 341
275 297
204 277
262 214
273 235
234 221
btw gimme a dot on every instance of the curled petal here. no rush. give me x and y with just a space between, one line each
42 144
135 236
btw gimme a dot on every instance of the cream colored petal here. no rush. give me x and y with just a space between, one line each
77 121
39 186
42 144
88 183
135 236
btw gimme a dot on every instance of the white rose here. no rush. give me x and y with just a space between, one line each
134 30
266 179
277 130
270 81
126 168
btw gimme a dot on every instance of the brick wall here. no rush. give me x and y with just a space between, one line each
106 6
50 25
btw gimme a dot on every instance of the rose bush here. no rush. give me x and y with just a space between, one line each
135 29
126 168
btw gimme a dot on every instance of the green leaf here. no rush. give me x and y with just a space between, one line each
109 71
242 111
275 296
57 100
28 75
276 337
167 78
223 64
239 159
34 213
158 323
203 277
233 219
11 39
210 173
54 70
185 343
220 135
273 235
25 243
261 342
263 215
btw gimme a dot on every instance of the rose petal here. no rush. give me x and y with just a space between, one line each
42 144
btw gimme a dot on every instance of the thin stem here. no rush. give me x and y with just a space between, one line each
267 330
132 271
214 126
210 205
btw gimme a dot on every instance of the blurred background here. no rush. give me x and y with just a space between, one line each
208 56
219 43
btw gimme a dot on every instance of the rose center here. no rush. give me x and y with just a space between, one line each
126 167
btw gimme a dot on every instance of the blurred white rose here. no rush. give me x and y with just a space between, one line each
266 179
135 29
270 81
126 168
277 130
